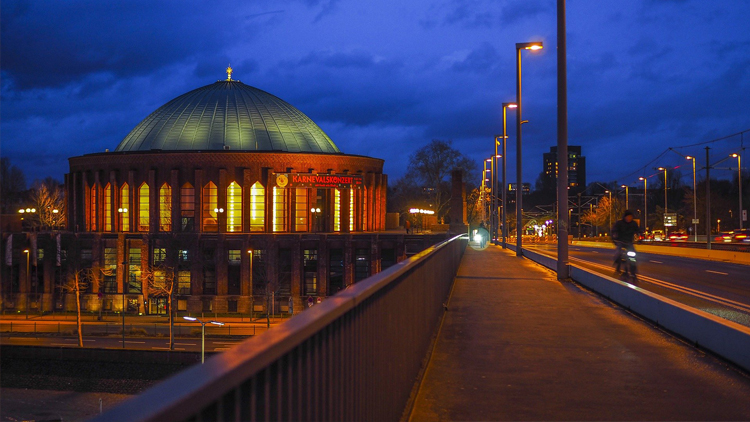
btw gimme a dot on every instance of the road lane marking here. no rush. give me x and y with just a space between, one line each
224 342
139 342
161 348
655 262
185 344
61 344
75 339
717 272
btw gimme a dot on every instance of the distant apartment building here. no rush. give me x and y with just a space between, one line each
576 168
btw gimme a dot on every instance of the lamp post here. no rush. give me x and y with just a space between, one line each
610 208
739 180
316 213
533 46
218 212
645 203
485 179
506 106
203 334
627 200
695 202
28 283
666 230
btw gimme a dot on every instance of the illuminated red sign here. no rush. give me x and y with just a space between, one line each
318 181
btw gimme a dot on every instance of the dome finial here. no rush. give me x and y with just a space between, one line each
229 72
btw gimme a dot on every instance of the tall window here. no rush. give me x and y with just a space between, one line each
310 266
110 269
209 272
361 264
124 209
351 209
364 209
259 273
92 210
233 272
336 210
279 209
165 208
134 271
234 208
257 207
187 207
108 208
183 274
143 208
300 210
210 203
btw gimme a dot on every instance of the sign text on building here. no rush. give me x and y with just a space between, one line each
318 181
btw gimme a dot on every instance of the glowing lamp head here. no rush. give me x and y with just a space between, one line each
661 169
641 178
623 186
631 253
189 318
689 157
534 45
734 155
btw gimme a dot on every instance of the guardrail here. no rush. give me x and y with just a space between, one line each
57 328
356 356
727 339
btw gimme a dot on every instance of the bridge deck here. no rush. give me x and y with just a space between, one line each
516 344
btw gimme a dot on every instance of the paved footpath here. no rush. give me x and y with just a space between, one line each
516 344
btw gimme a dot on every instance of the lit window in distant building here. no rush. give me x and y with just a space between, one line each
310 266
187 207
336 210
134 271
364 209
300 210
257 207
351 210
125 207
92 210
143 208
110 269
279 209
183 282
165 208
108 208
210 204
234 207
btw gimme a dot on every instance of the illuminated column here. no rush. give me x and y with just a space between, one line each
154 202
221 218
346 215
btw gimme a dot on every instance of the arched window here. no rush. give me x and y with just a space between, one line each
143 207
257 207
165 208
279 209
187 207
300 210
210 204
336 210
92 210
124 209
108 208
234 207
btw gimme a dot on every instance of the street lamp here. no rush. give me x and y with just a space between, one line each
645 203
627 201
533 46
123 215
739 180
610 209
666 230
506 106
486 179
203 333
695 203
316 213
28 282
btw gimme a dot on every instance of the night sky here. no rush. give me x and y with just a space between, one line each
384 78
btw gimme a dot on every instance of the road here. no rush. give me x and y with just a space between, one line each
140 343
720 288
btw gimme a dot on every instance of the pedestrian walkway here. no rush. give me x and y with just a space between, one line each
516 344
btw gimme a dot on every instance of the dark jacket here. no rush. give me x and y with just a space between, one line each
625 232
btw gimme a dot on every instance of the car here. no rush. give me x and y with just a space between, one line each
678 237
657 235
725 237
741 236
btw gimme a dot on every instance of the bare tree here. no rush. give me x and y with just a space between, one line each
49 199
79 281
161 281
600 216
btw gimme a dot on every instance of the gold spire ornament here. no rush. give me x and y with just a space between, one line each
229 72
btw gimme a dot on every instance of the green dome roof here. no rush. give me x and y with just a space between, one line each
228 115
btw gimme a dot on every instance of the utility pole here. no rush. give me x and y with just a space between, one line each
562 146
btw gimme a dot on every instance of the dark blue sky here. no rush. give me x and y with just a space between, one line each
384 78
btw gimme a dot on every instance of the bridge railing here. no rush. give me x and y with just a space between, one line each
355 356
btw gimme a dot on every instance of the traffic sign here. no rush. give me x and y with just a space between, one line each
696 221
670 219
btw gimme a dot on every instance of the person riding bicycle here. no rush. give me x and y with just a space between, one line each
624 233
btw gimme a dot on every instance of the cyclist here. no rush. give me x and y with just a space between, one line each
623 235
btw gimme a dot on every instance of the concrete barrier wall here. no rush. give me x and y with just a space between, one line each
723 337
712 255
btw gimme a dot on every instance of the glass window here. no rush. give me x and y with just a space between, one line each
209 272
234 208
234 256
337 210
187 207
165 208
233 272
285 272
160 255
259 271
336 270
351 209
279 209
210 204
310 266
134 271
183 282
143 208
257 207
124 209
110 269
300 210
92 210
361 264
108 208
